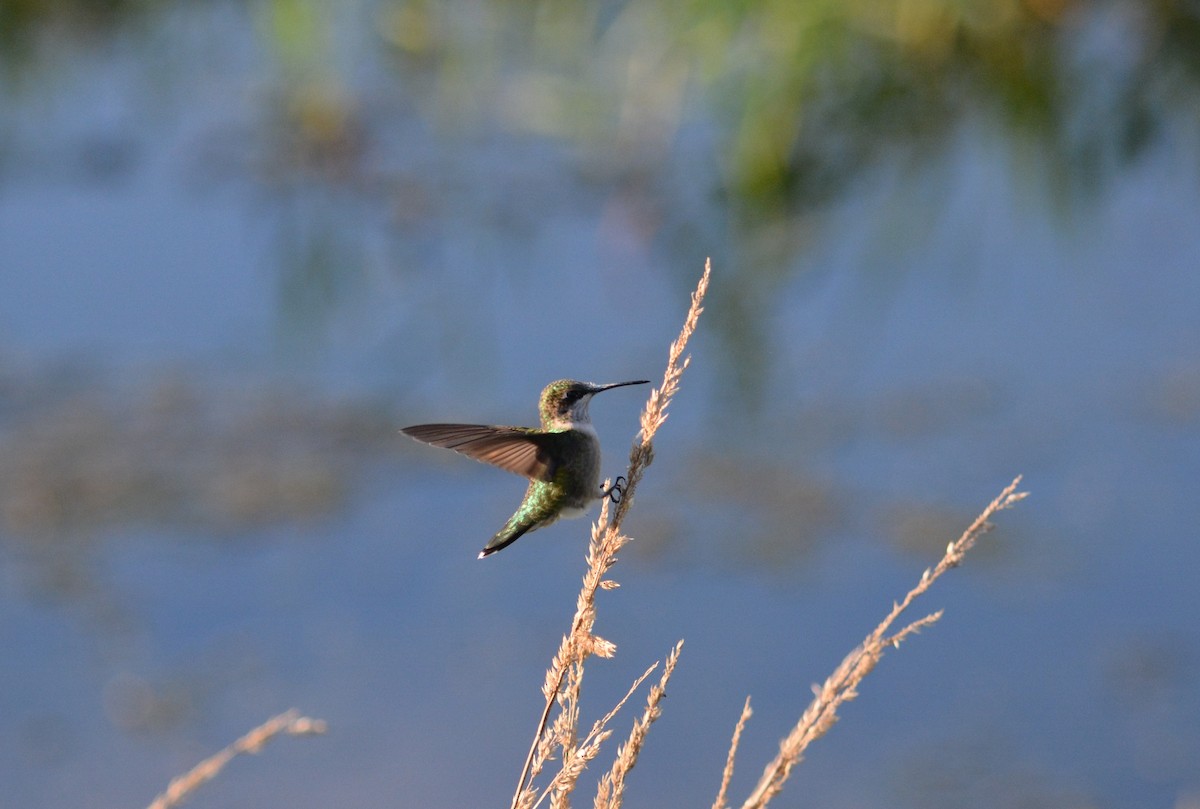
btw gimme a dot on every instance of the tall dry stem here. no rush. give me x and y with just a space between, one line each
289 723
611 789
842 685
723 793
565 676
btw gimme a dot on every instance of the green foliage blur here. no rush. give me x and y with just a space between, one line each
783 108
806 95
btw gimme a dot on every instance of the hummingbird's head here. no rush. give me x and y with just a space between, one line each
564 403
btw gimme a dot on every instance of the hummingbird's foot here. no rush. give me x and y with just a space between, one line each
616 491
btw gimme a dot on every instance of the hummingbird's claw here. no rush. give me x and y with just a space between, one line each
616 491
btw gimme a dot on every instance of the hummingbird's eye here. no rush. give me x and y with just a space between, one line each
570 399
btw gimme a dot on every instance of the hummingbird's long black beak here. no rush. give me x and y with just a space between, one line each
598 388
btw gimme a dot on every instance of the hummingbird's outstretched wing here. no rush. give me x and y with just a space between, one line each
514 449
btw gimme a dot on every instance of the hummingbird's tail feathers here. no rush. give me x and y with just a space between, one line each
507 536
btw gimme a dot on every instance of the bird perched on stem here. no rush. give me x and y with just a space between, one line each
561 460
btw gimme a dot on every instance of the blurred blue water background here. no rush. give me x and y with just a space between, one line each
242 243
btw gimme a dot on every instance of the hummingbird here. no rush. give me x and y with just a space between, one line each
561 460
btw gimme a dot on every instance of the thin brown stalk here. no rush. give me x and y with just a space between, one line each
606 540
722 800
842 685
289 723
565 781
611 789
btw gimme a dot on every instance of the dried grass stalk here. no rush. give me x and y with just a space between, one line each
611 789
564 678
723 793
567 777
842 685
289 723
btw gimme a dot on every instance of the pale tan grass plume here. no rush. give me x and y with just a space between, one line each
289 723
842 685
722 800
611 789
564 678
